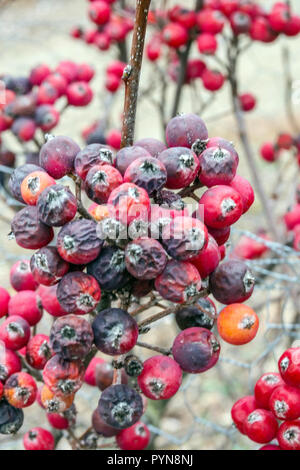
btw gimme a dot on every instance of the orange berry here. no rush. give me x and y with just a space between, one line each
34 184
238 324
53 403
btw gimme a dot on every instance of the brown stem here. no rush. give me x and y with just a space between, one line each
80 207
164 351
132 72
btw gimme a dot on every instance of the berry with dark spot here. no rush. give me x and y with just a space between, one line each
196 350
202 315
153 146
232 282
71 337
261 426
47 266
54 402
148 173
57 156
101 427
264 388
127 155
78 293
217 166
289 367
100 181
29 231
39 439
120 406
10 363
46 117
26 304
20 390
38 351
161 378
15 332
24 128
133 366
79 94
145 258
179 282
64 378
182 166
21 277
90 156
137 437
11 418
288 435
115 331
48 295
222 206
109 269
78 242
241 410
56 205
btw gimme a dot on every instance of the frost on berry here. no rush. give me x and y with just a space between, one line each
284 364
120 406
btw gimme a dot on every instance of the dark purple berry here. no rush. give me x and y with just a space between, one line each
71 337
148 173
145 258
57 205
78 293
18 175
232 282
101 427
127 155
182 166
29 231
93 154
202 314
11 419
109 269
184 130
217 166
78 242
47 266
57 156
153 146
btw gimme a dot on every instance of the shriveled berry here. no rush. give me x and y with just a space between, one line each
120 406
50 302
179 282
15 332
115 331
232 282
21 277
47 266
39 439
161 378
109 269
202 315
56 205
137 437
78 242
217 166
18 175
127 155
241 410
153 146
71 337
261 426
264 388
11 418
185 130
26 304
100 181
29 231
38 351
145 258
93 154
78 293
148 173
20 390
57 156
64 378
182 166
128 203
196 350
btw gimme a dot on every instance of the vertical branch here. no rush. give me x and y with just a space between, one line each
132 72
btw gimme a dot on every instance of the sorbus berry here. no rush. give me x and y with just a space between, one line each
285 403
241 410
26 304
90 156
100 181
11 418
113 139
54 403
240 22
47 266
24 128
202 315
20 390
71 337
46 117
58 421
57 156
79 94
264 388
207 44
289 367
38 351
196 350
47 93
179 282
261 426
21 277
39 73
129 202
99 12
247 102
17 176
289 435
127 155
148 173
185 130
58 82
136 437
245 190
269 152
270 447
183 16
33 185
91 371
78 293
50 301
38 439
175 35
160 378
101 427
145 258
85 73
10 363
222 206
64 378
212 80
210 21
105 376
15 332
217 166
182 166
232 282
292 217
237 324
68 69
208 259
221 235
4 300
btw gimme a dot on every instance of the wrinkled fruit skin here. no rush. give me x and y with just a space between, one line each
217 166
160 378
100 181
11 419
179 282
128 202
18 175
101 427
56 206
78 293
57 156
47 266
115 331
29 231
90 156
148 173
145 258
196 350
184 130
182 166
63 378
71 337
20 390
232 282
127 155
38 351
153 146
120 406
109 269
202 315
136 437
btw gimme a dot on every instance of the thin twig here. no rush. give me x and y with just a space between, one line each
164 351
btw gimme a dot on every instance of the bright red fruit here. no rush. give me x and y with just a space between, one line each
136 437
160 378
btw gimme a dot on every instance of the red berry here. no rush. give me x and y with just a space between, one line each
264 388
240 22
78 293
261 426
85 73
58 82
229 6
46 117
247 102
292 217
79 94
57 156
20 390
10 363
213 80
285 403
241 410
208 259
99 12
270 447
38 351
289 367
116 68
245 190
91 156
136 437
175 35
18 175
217 166
39 73
63 378
128 202
91 371
24 128
113 139
182 166
48 267
100 181
269 152
34 184
221 235
47 93
186 130
285 141
210 21
29 231
180 281
207 44
148 173
15 332
68 69
38 439
223 206
127 155
160 378
50 301
26 304
183 16
289 435
58 421
4 300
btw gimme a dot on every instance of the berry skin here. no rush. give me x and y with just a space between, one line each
100 181
90 156
148 173
101 427
182 166
269 152
208 259
264 388
240 22
46 117
10 363
207 43
175 35
202 315
261 426
47 94
11 418
245 190
79 94
58 421
109 269
71 337
68 69
29 231
47 266
54 403
116 68
38 351
105 376
289 367
270 447
232 282
145 258
292 217
288 435
49 300
237 324
18 175
161 378
39 73
1 390
185 238
64 378
91 371
56 205
136 437
217 166
153 146
26 304
21 277
115 331
210 21
58 82
183 16
85 73
15 332
20 390
223 206
196 350
241 410
127 155
179 282
129 202
98 212
285 403
99 12
247 102
57 156
24 128
284 141
78 293
38 439
113 139
184 130
4 300
78 243
221 235
120 406
212 80
33 185
112 83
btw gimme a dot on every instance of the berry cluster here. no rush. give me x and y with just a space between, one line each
271 152
138 238
276 399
